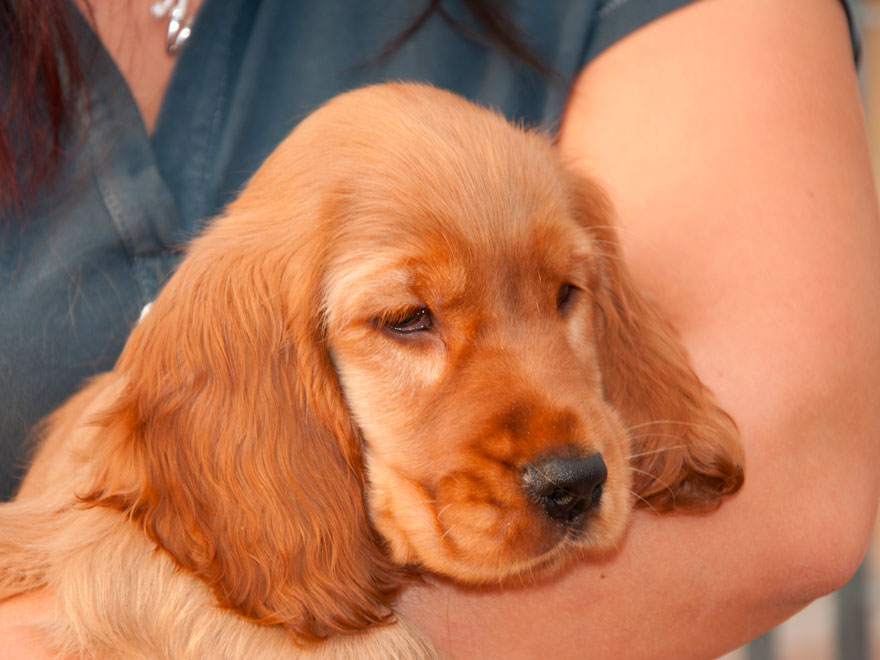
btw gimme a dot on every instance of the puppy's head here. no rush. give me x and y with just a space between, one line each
493 352
413 322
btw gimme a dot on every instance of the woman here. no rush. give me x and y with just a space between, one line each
730 135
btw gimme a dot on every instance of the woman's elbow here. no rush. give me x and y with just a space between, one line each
826 481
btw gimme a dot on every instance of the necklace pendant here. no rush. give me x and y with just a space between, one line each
179 25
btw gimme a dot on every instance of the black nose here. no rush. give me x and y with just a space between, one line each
566 488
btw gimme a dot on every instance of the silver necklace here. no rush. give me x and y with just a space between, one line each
179 24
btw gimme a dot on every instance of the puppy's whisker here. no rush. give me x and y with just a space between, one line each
648 474
441 511
679 422
657 479
660 450
605 241
643 501
618 229
448 529
648 435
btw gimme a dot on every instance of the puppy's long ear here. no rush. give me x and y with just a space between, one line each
231 444
686 452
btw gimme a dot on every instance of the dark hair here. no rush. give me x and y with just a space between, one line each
492 17
42 80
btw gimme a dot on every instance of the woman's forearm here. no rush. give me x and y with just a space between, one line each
731 137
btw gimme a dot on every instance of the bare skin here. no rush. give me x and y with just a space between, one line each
136 40
731 137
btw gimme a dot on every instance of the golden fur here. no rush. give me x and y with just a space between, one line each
273 456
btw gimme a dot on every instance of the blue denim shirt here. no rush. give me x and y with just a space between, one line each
97 244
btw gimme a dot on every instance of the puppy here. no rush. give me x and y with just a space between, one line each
410 345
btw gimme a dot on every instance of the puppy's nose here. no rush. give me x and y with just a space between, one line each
566 488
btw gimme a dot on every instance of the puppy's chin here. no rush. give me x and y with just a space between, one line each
479 542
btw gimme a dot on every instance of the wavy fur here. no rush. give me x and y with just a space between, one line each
271 460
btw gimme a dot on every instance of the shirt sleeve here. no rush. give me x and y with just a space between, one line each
616 19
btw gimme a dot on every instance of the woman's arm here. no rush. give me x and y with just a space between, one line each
16 615
730 135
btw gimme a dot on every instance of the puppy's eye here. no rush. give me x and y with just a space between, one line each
565 297
416 321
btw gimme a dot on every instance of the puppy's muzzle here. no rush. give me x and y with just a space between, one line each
566 489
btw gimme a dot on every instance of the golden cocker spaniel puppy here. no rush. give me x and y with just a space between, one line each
410 345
